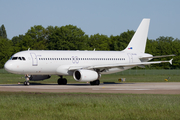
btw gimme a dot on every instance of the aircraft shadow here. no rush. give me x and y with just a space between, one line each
68 84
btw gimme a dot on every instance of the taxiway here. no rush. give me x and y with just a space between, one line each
134 88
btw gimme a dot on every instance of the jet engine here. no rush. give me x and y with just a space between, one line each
85 75
39 77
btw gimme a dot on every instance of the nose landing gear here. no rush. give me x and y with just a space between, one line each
27 80
26 83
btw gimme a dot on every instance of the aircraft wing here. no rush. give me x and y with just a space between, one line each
117 65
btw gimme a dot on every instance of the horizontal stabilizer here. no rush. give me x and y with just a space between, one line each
157 56
171 61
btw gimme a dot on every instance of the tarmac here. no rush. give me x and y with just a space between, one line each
131 88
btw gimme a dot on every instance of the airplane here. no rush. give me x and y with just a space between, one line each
84 66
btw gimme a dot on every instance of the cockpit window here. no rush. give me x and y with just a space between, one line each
23 58
17 58
14 58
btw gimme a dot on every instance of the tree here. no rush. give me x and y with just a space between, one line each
164 46
151 47
36 38
6 51
121 41
67 37
3 32
99 42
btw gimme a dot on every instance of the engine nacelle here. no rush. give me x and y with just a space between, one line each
85 75
39 77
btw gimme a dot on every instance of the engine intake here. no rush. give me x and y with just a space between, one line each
85 75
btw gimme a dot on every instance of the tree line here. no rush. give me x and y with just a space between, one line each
71 37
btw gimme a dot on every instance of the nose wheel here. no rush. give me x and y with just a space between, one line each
26 83
27 80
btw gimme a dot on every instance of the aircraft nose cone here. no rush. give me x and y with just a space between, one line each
8 66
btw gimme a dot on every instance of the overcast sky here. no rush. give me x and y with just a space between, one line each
108 17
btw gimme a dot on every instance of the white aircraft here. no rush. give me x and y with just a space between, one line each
84 66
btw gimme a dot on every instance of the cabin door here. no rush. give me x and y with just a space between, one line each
130 58
34 59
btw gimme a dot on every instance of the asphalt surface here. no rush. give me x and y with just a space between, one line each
134 88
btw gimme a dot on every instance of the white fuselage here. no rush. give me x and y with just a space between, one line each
48 62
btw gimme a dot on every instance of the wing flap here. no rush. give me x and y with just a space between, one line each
130 64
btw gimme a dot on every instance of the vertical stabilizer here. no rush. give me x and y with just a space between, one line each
138 41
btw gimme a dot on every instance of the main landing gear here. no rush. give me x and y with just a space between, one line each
96 82
62 81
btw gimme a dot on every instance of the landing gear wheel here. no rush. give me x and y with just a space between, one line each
62 81
96 82
59 81
26 83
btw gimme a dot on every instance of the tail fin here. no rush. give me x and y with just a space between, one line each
138 41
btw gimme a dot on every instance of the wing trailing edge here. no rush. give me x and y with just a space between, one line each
108 66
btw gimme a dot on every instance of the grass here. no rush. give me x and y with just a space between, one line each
88 106
130 75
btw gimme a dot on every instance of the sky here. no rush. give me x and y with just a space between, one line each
107 17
